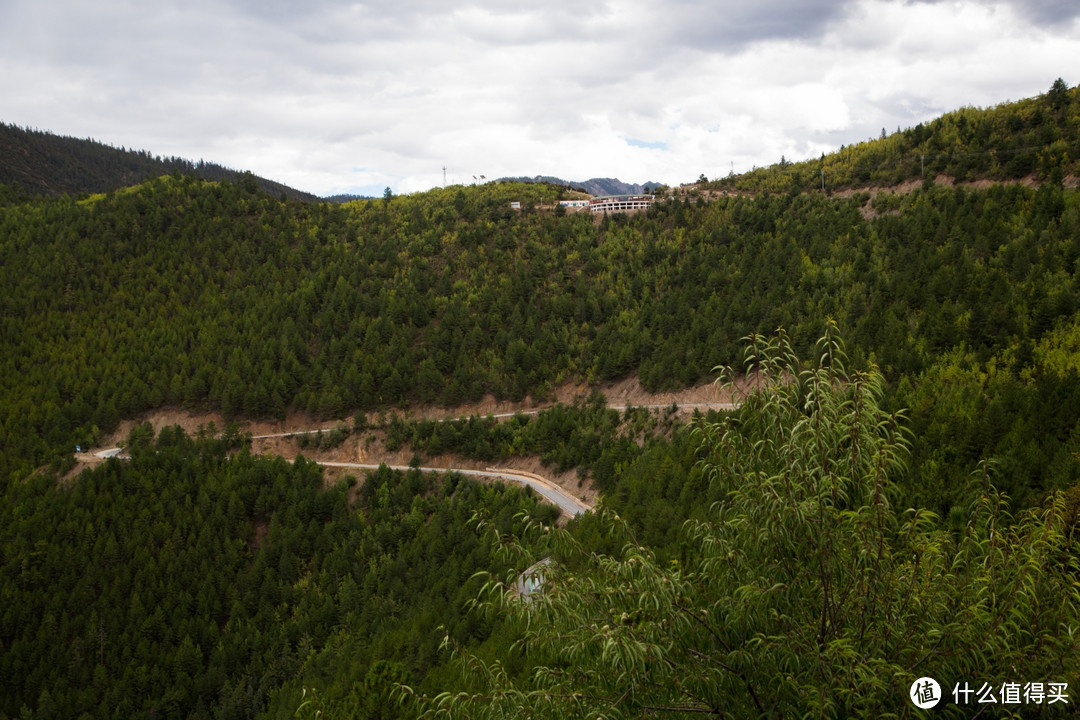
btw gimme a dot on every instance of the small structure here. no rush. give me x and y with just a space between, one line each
531 580
621 203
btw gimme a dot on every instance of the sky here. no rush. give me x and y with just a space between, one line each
333 96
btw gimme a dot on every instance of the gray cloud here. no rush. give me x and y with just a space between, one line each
332 94
1057 14
730 26
1049 14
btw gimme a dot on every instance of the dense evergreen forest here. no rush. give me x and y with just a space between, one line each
41 163
192 581
197 579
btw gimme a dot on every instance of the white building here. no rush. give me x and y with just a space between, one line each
621 203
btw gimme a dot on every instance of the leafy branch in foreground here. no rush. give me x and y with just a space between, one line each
807 591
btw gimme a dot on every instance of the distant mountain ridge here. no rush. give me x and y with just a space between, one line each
595 186
41 163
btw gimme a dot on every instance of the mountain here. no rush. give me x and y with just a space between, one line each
818 550
595 186
42 163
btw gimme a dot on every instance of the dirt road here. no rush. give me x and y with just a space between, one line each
566 492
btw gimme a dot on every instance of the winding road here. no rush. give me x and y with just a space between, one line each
567 503
547 489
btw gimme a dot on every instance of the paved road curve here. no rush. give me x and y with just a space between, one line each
548 490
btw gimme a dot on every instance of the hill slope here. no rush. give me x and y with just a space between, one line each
215 296
45 164
198 580
1037 136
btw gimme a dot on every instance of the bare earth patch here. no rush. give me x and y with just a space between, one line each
946 181
621 393
370 447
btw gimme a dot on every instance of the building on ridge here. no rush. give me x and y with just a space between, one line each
621 203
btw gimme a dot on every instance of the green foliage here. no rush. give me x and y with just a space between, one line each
324 440
807 591
1020 405
210 297
193 582
585 434
244 581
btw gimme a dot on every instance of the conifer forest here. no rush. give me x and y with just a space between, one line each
896 495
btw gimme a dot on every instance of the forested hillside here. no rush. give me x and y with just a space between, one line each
1036 137
960 305
192 582
40 163
802 591
180 292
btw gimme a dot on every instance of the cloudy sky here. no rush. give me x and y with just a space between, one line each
335 96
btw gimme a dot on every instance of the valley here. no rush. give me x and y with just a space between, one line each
895 496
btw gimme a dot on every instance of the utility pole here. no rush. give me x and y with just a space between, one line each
822 179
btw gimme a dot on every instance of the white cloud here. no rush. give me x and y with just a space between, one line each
330 96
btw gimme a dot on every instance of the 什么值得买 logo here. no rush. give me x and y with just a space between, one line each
925 692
